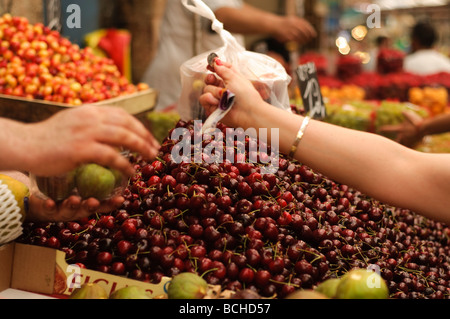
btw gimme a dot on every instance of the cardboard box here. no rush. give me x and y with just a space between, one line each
6 261
45 271
29 111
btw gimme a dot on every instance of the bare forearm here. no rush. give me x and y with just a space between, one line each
337 152
246 20
435 125
380 168
13 140
374 165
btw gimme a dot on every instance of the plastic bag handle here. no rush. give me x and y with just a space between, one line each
200 8
203 10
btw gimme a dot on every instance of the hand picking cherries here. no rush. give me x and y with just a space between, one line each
272 233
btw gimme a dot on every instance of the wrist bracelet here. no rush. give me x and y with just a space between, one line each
300 134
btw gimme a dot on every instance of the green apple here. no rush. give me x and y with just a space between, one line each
187 285
362 284
89 291
93 180
130 292
328 287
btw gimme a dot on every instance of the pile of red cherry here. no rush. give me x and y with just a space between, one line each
273 233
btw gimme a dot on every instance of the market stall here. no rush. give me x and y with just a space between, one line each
222 229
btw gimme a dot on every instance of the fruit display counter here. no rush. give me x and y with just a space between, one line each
370 116
388 82
42 72
272 234
368 100
439 143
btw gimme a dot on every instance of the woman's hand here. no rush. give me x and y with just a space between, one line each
71 209
247 97
293 28
407 133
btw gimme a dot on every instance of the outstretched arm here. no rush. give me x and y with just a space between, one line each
377 166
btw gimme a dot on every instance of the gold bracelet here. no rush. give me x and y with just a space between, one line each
300 134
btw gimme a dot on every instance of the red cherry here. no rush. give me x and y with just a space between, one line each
246 275
128 228
104 258
285 219
118 268
197 251
244 189
158 166
169 181
124 247
154 180
53 242
262 278
147 171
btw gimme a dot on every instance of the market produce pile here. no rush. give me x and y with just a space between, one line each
38 63
367 101
369 116
390 60
161 122
389 82
241 229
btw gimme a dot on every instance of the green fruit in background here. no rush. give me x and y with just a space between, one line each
130 292
362 284
187 286
96 181
161 123
89 291
328 287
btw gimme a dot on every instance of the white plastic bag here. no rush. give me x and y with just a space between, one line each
268 75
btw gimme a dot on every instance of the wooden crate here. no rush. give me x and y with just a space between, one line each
29 111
